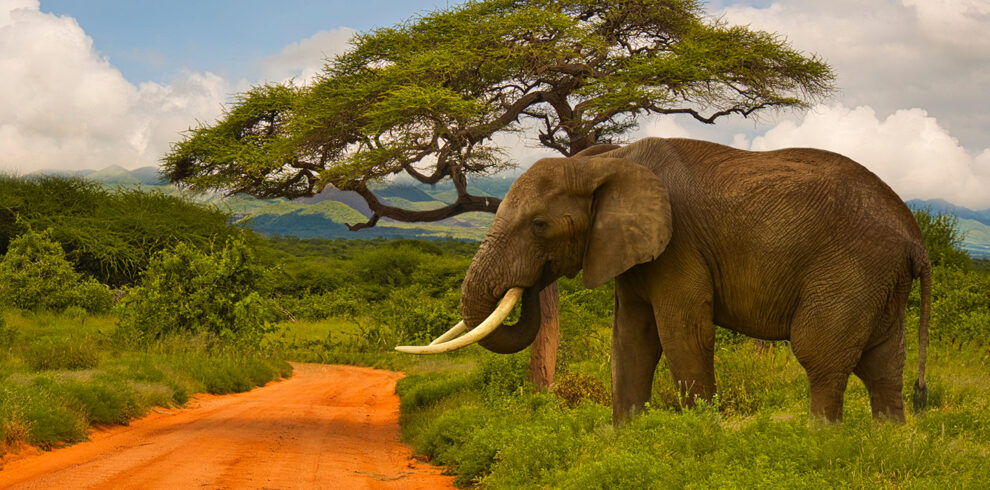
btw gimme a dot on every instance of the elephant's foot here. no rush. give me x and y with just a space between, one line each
885 399
827 396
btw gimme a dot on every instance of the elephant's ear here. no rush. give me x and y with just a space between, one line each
631 219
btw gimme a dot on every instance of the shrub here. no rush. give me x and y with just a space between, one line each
424 390
942 238
35 275
184 290
8 335
575 388
416 317
504 375
960 306
108 234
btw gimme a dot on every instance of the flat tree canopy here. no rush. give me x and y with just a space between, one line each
425 97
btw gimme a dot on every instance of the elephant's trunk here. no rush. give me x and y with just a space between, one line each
488 281
506 339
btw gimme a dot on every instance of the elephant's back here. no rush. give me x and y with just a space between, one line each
799 186
852 194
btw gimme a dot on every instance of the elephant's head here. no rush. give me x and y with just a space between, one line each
600 215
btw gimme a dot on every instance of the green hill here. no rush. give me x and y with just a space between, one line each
327 219
976 239
149 176
407 192
114 175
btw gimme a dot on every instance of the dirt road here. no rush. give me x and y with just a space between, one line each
326 427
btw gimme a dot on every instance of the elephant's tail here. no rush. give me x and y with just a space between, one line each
923 269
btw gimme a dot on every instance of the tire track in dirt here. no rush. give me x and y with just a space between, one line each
325 427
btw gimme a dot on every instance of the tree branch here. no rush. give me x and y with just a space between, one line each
743 111
465 204
443 170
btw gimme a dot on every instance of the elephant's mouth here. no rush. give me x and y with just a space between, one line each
492 333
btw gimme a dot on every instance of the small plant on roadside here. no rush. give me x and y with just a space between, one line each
47 353
503 376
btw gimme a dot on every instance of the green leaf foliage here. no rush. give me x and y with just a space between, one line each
60 373
35 275
943 238
109 234
184 290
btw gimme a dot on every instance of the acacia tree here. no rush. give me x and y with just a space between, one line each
426 97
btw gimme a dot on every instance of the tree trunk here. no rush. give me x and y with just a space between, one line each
543 363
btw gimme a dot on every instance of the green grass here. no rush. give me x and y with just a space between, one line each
490 429
474 412
62 373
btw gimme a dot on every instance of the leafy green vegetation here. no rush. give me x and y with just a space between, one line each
107 234
35 275
187 291
943 238
490 428
70 358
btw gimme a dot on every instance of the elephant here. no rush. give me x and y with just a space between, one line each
795 244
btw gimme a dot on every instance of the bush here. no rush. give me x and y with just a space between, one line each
942 238
35 275
8 335
424 390
575 388
415 317
960 306
504 375
108 234
187 291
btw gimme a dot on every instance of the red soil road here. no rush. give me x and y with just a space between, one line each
325 427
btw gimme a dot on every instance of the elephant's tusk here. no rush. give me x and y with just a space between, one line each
452 333
481 331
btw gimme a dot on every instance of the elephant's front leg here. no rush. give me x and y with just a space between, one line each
688 336
635 352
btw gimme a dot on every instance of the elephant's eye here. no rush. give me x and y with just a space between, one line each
540 226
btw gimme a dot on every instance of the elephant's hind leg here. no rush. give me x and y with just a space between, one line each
827 340
876 369
635 352
882 366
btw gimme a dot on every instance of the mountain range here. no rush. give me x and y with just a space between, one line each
326 214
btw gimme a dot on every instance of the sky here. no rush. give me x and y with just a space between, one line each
85 84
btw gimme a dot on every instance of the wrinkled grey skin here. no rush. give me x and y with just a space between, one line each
795 244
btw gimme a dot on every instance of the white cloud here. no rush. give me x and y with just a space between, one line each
66 107
303 60
959 24
8 7
662 127
909 150
894 54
